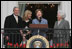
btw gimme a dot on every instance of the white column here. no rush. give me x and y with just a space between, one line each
65 6
11 5
3 12
6 9
3 15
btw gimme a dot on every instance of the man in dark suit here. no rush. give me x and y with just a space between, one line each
13 21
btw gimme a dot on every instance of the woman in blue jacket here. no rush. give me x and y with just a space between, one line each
39 20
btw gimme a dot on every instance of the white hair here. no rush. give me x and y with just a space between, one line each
14 8
62 14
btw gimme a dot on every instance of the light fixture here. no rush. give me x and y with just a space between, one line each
27 3
48 3
31 6
45 7
53 5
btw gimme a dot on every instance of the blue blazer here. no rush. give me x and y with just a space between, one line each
43 21
36 21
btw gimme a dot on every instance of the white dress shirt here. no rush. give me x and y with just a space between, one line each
16 17
59 21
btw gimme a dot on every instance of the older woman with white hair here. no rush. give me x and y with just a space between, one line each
62 35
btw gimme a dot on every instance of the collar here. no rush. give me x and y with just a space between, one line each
15 15
26 20
60 20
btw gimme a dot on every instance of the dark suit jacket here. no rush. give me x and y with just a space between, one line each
10 22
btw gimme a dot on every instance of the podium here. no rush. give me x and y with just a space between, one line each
38 41
38 26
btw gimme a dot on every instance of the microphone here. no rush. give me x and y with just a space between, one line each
40 19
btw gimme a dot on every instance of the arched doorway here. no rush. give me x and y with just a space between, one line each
49 12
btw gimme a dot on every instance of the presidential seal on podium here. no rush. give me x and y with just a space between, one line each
37 41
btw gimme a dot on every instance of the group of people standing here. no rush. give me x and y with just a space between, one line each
15 21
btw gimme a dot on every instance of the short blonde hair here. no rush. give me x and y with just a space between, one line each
26 14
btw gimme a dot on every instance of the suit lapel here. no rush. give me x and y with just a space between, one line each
14 19
61 22
57 24
18 19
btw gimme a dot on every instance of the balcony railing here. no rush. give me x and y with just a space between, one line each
61 39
